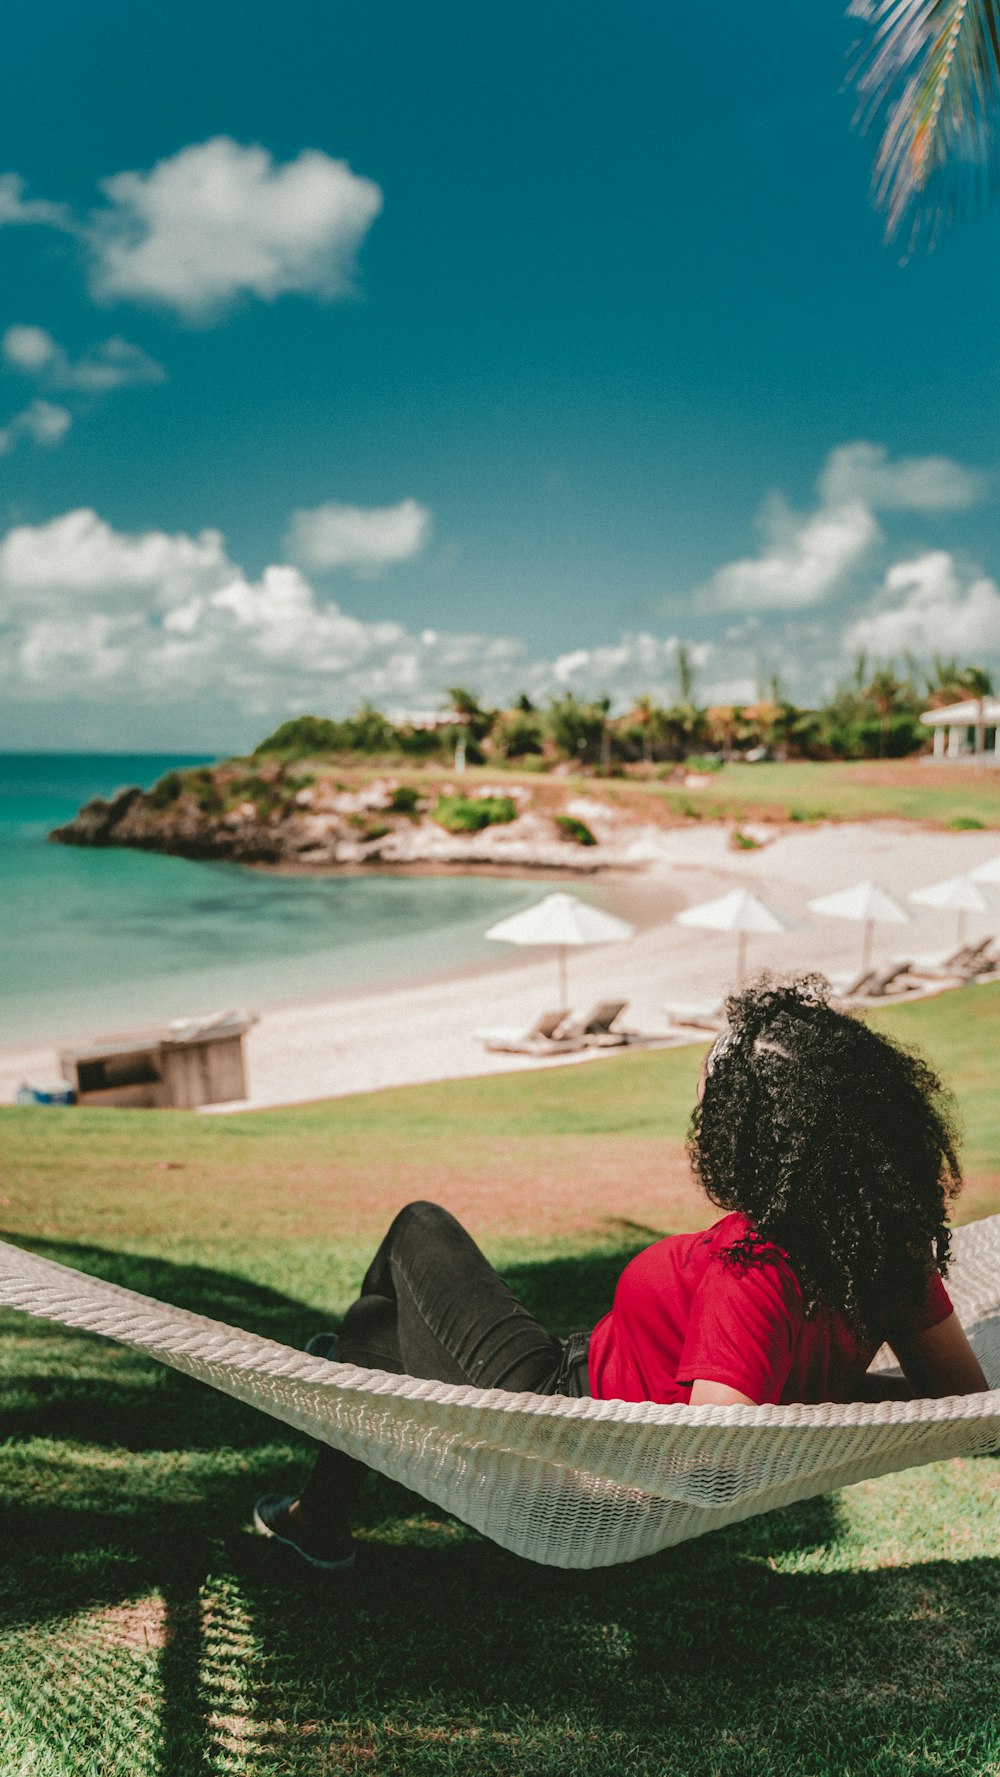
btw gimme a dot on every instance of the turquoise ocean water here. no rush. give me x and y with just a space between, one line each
97 941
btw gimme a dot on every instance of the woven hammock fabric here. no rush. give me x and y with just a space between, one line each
570 1483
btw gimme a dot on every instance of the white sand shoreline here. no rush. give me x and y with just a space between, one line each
350 1041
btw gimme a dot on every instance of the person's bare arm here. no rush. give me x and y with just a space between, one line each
718 1394
940 1361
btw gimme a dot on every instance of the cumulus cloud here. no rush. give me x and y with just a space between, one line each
638 663
61 652
807 559
864 472
926 606
30 349
219 221
113 364
803 562
157 620
78 556
365 538
162 622
216 222
17 210
42 422
146 618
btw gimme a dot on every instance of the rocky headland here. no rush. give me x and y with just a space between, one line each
321 820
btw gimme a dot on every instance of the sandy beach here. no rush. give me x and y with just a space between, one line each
360 1042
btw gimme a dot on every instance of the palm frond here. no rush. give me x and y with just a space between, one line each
929 71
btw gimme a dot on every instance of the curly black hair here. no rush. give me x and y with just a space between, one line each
838 1144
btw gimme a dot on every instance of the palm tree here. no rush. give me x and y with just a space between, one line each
882 692
930 71
980 686
684 661
469 722
642 714
951 683
943 682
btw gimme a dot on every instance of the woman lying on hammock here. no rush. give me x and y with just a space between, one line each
833 1153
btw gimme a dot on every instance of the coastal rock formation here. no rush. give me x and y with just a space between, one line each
229 812
185 831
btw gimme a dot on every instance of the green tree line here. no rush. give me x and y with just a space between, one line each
874 713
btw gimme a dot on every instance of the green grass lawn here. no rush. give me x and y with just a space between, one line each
144 1630
798 790
809 791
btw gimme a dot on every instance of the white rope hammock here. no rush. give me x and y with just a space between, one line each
572 1483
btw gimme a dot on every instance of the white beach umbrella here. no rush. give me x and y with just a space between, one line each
562 920
956 894
867 903
739 912
988 872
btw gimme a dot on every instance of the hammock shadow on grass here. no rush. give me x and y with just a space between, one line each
136 1501
703 1660
70 1385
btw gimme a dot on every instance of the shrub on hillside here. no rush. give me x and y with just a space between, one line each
519 734
405 799
304 737
166 791
578 729
423 743
576 831
206 792
467 814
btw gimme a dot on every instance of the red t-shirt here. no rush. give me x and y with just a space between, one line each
682 1311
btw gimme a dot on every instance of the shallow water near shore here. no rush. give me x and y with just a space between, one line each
96 941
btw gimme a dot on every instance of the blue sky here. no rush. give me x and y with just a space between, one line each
357 350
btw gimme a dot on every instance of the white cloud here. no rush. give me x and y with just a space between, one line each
638 663
937 612
807 559
169 626
43 422
17 210
218 221
60 652
78 556
113 364
804 561
154 621
863 472
365 538
153 618
30 349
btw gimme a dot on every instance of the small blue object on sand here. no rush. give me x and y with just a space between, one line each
58 1092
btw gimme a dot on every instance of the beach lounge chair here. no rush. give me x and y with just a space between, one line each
892 981
539 1038
987 965
965 962
849 987
701 1014
595 1028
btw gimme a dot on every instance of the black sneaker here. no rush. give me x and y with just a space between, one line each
328 1554
323 1345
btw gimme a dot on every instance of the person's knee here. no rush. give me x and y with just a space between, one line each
421 1214
418 1226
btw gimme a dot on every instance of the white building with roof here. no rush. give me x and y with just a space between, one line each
969 730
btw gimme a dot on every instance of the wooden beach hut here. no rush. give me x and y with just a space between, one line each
190 1063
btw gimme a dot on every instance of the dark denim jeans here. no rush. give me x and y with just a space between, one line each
431 1305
